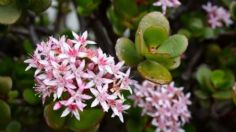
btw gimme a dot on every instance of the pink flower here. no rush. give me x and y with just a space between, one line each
217 16
167 3
166 104
68 67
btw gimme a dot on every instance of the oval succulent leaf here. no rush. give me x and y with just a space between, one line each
5 85
9 13
174 45
126 51
154 36
222 79
233 9
39 6
30 97
125 8
5 113
154 19
140 44
53 118
89 120
164 59
154 72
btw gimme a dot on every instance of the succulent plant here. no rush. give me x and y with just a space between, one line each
154 51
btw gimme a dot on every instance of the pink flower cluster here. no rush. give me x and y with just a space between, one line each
217 15
73 73
166 104
167 3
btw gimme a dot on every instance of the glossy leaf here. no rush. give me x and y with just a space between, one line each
154 72
30 96
9 13
154 36
222 79
174 45
222 95
89 119
5 113
53 118
140 44
126 51
5 85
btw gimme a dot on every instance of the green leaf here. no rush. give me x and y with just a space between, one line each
5 113
9 13
39 6
233 9
53 118
222 79
4 2
185 32
155 36
200 94
154 19
14 126
135 126
140 44
154 72
86 7
5 85
30 97
125 8
174 45
126 51
203 77
89 119
222 95
164 59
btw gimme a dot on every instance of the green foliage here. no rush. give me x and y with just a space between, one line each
125 50
233 9
153 43
5 114
53 118
9 13
30 96
5 85
155 72
39 6
89 119
222 79
86 7
14 126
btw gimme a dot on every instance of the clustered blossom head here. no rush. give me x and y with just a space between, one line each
167 3
166 104
217 16
73 73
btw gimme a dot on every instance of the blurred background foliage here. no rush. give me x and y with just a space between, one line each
208 66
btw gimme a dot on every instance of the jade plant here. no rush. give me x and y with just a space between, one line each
153 52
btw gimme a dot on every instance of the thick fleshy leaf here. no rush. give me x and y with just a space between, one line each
5 85
233 9
140 44
5 113
154 36
200 94
154 72
164 59
89 119
85 7
154 19
53 118
14 126
125 8
39 6
9 13
4 2
174 45
203 77
126 51
222 95
222 79
30 96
